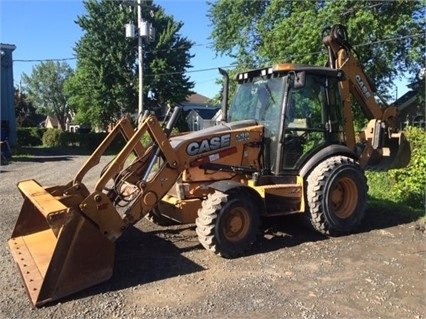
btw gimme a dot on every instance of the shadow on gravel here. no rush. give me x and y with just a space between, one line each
141 258
43 158
45 154
282 232
289 231
42 154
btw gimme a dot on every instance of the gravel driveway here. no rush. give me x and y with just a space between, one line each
291 273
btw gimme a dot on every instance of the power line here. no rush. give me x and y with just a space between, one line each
210 43
298 55
230 66
361 44
183 47
44 60
191 71
391 39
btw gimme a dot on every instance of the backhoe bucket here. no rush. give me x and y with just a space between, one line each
58 250
396 153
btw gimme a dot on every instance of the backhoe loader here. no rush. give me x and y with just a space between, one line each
287 145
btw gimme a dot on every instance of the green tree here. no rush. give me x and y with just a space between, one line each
167 59
45 89
388 35
105 85
23 109
419 85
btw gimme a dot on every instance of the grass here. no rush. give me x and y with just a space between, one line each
382 199
390 207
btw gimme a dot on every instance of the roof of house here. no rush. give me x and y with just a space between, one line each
206 113
404 101
197 99
53 121
199 103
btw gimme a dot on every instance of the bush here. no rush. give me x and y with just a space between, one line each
85 141
406 185
90 141
52 138
69 139
30 136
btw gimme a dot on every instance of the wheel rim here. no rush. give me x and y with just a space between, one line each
236 224
344 198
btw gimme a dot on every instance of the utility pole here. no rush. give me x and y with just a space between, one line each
144 29
140 59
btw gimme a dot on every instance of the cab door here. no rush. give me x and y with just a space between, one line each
312 120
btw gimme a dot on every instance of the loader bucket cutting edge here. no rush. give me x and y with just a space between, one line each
57 260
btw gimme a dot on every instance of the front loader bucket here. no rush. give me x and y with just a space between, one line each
58 250
396 153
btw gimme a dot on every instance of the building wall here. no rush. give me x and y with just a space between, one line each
7 103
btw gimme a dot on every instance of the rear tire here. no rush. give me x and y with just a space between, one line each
228 223
336 196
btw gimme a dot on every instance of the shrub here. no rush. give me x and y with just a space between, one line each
85 141
52 138
69 139
89 141
406 185
30 136
38 133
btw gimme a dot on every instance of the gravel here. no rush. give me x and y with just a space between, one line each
163 272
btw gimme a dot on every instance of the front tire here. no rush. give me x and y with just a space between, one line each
336 196
228 223
155 217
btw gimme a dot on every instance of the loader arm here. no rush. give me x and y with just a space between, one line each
150 189
124 127
380 138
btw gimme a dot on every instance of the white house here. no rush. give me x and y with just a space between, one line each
201 118
198 113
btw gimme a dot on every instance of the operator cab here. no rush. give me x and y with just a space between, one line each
300 108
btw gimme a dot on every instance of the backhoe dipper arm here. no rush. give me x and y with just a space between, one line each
357 84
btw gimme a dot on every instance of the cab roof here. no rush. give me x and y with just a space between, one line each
289 67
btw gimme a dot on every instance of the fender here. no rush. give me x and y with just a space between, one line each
226 186
323 154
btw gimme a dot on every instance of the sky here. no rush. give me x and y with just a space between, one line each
43 30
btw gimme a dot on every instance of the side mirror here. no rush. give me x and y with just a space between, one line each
299 80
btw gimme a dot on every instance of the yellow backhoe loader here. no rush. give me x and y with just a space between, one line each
287 145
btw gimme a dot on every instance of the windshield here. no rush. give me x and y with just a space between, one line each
260 99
